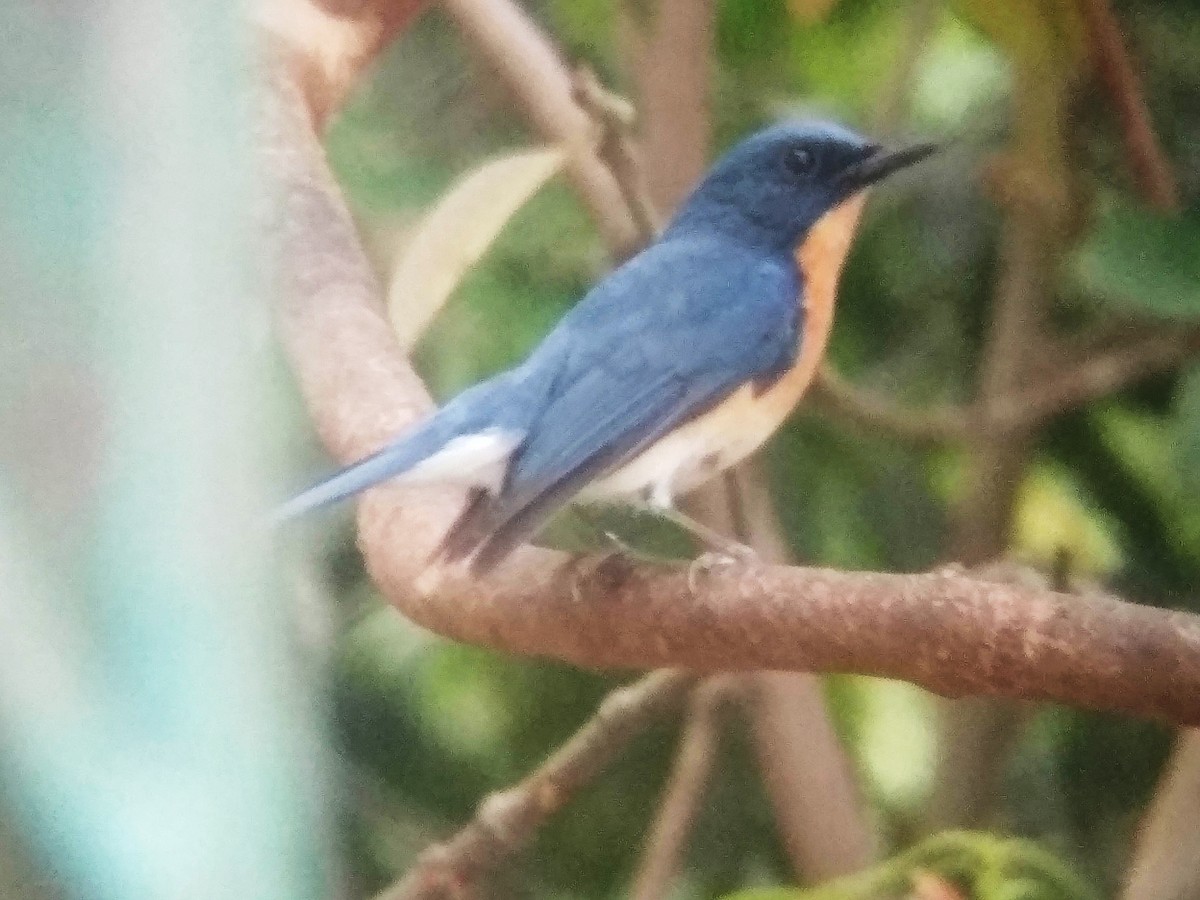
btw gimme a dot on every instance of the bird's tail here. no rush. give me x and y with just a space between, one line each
390 462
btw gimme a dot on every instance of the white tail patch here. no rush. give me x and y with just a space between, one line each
473 460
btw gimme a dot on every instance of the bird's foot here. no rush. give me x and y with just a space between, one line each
607 570
731 555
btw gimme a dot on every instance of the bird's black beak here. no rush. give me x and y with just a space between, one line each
880 163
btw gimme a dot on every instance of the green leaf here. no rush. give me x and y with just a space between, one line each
1143 262
1187 434
456 232
1043 36
996 867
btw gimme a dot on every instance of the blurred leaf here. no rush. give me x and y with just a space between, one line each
457 231
750 32
1052 517
459 694
990 867
1187 434
1046 36
1143 261
897 743
810 12
958 73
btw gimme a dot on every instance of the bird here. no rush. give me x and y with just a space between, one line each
675 366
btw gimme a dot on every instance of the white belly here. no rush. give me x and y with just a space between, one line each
691 455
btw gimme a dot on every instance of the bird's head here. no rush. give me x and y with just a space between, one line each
774 186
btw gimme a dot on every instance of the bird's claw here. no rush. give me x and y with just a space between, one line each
732 555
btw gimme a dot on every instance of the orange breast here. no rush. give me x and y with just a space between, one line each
820 259
736 427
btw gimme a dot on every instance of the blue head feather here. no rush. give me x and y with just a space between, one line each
770 188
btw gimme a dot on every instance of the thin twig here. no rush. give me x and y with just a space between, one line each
506 821
684 792
1151 169
614 116
1099 373
504 36
932 426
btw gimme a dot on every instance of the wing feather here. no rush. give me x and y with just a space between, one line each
627 370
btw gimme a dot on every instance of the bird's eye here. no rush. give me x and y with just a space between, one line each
801 161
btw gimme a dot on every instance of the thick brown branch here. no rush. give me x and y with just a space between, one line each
327 43
944 631
505 822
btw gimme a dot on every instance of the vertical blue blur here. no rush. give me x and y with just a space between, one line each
156 729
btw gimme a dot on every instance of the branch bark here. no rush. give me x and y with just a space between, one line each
508 820
810 779
326 44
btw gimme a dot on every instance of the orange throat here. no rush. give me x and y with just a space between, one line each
820 257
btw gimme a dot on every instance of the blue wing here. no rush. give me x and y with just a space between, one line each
664 338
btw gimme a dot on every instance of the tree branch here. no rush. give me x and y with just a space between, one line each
1151 169
506 821
1166 856
614 116
834 395
682 796
810 779
531 69
1097 374
326 44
